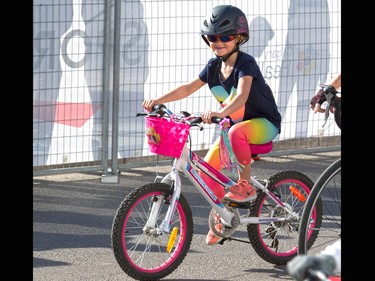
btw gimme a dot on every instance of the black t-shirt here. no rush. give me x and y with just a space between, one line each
260 103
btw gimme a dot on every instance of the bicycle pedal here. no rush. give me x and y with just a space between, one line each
248 201
245 205
222 241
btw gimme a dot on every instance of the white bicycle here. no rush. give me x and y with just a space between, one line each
153 227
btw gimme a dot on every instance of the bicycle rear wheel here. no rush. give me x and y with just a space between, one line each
276 242
141 248
328 190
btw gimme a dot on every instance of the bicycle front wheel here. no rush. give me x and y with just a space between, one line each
327 189
142 249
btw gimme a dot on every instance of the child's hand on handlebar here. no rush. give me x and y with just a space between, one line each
207 116
148 105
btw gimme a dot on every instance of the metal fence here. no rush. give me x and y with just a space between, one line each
96 61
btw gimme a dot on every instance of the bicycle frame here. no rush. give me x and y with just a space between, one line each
188 164
153 227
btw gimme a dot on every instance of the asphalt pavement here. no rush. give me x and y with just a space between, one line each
73 213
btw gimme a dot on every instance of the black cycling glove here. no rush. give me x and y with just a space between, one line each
320 97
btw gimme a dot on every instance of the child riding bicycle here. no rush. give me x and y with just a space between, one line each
238 85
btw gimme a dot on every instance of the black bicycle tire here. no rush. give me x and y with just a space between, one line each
257 236
316 191
117 234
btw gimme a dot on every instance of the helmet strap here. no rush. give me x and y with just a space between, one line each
226 57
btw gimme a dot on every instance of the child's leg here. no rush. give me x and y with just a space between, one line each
213 158
256 131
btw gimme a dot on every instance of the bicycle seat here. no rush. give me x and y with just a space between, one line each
261 148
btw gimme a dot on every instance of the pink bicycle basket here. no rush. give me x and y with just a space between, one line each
166 137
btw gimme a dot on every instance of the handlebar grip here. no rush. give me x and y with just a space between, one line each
158 107
216 120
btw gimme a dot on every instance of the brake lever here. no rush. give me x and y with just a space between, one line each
329 97
195 121
158 110
141 114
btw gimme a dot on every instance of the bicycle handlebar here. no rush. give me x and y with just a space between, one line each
160 110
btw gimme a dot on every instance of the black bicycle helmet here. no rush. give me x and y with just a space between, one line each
225 20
